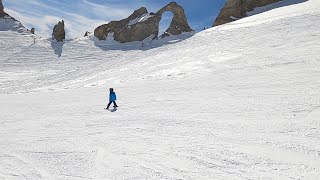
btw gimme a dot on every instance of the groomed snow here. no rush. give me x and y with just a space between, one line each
238 101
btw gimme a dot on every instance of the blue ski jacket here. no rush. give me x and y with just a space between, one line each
112 96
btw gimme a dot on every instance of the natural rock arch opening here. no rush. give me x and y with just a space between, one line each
165 22
179 23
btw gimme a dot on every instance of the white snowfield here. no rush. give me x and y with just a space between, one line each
238 101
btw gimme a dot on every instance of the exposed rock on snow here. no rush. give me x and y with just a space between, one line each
141 25
32 30
87 34
2 13
116 26
142 18
59 33
236 9
179 22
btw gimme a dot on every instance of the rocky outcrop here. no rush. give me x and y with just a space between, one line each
2 13
141 25
179 23
259 3
59 33
116 27
236 9
32 30
87 34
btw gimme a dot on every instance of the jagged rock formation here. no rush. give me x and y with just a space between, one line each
32 30
2 13
59 33
236 9
87 34
141 25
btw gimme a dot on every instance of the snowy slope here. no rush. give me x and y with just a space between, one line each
238 101
282 3
8 23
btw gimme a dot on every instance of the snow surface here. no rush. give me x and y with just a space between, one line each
8 23
238 101
269 7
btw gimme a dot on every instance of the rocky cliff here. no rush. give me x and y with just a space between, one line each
236 9
141 25
2 13
59 33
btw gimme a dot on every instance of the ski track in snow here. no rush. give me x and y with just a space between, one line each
239 101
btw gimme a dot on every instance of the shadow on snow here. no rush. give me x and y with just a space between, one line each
107 45
57 47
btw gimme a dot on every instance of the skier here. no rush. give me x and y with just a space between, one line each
112 99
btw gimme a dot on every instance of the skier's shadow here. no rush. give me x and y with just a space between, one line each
108 45
57 47
113 110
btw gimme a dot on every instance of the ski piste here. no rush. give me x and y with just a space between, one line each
238 101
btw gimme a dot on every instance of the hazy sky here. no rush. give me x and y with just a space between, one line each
86 15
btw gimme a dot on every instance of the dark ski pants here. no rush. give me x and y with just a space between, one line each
114 104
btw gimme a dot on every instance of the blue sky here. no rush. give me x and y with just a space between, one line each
86 15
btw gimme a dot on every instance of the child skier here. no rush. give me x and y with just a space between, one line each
112 98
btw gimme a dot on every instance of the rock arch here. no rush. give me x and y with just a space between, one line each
127 30
179 23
